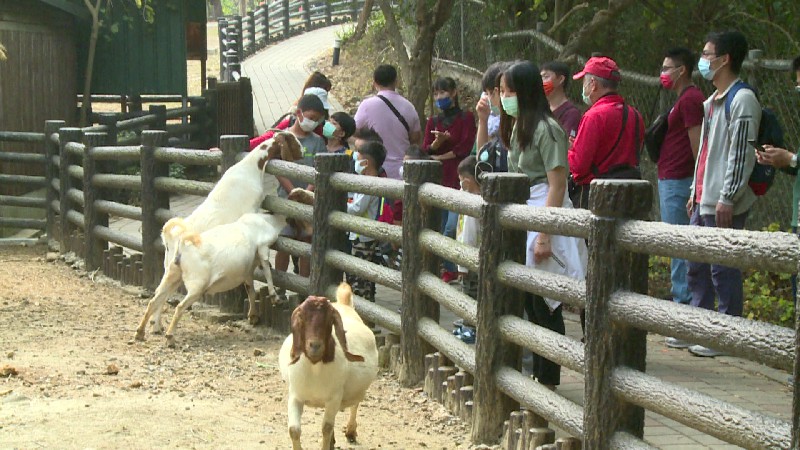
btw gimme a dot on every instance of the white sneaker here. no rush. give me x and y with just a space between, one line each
672 342
699 350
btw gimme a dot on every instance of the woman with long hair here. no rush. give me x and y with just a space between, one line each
537 147
449 137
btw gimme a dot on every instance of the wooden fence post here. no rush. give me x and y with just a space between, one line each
416 305
66 159
237 21
110 121
491 407
136 103
251 29
160 111
307 14
50 174
326 237
247 125
93 246
231 146
152 201
210 95
609 345
265 13
286 19
354 10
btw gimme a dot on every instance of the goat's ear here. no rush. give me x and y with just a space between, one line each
290 148
275 148
340 334
298 334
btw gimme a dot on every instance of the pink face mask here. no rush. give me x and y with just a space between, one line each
667 81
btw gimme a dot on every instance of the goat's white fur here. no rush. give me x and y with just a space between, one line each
335 385
215 261
241 190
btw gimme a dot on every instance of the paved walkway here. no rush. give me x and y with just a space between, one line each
278 74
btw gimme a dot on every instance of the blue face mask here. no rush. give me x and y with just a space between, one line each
444 103
328 129
704 66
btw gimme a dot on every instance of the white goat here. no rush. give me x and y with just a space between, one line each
215 261
241 190
323 373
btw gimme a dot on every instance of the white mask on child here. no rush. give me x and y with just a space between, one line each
360 166
308 125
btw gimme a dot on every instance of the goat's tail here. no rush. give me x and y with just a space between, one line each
174 227
344 295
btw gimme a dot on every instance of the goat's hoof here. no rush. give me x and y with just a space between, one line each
170 341
351 436
139 335
254 319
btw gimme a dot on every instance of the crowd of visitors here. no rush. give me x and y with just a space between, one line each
524 122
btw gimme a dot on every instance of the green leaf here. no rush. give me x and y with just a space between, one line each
115 28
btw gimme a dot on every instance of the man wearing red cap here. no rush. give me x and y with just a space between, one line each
610 133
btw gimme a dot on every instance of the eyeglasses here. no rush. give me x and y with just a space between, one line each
668 68
708 54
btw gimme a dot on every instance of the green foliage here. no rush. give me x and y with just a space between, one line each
177 171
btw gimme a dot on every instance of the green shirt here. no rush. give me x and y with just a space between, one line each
546 151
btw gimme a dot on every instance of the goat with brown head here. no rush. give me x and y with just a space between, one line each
313 322
283 145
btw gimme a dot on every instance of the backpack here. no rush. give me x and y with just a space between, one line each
769 132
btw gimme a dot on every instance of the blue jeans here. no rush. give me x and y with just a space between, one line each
673 196
449 226
706 280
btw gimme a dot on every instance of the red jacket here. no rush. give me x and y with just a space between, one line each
591 153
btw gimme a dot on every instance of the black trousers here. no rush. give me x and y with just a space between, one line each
544 370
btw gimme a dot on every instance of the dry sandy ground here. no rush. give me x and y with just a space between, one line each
73 377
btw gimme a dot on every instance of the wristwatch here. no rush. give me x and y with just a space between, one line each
793 161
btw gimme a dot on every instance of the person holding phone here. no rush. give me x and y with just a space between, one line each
786 161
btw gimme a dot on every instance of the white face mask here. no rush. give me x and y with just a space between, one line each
360 166
307 124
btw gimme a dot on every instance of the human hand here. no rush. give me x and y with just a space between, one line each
774 156
689 207
724 215
482 108
542 248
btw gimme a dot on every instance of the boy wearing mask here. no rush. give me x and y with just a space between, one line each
369 159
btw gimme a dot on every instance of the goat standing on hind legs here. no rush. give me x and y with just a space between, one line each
215 261
321 370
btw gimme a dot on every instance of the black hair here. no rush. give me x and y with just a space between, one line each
796 64
467 166
415 152
347 123
368 134
384 75
525 80
447 84
731 43
310 102
491 78
684 57
560 69
374 150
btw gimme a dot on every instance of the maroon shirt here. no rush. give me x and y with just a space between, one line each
462 138
676 160
569 117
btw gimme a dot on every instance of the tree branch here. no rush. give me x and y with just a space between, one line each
600 20
363 19
773 24
557 26
393 29
657 10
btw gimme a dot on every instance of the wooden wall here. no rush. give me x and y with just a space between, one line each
38 81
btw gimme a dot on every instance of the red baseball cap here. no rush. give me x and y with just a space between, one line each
599 66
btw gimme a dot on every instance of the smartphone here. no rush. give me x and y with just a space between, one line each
753 144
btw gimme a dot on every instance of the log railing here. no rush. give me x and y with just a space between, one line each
618 389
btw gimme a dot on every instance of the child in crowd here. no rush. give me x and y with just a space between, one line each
368 162
308 114
468 233
337 130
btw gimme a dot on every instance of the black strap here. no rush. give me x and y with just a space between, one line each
396 112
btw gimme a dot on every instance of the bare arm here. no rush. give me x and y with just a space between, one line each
694 139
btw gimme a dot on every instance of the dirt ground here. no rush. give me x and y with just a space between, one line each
72 377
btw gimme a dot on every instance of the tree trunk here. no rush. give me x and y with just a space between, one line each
87 83
216 8
242 8
363 19
416 64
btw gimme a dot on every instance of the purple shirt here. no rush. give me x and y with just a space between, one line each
374 113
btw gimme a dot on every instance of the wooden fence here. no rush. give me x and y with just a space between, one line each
242 36
618 389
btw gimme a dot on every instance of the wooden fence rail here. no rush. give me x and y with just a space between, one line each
619 313
242 36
